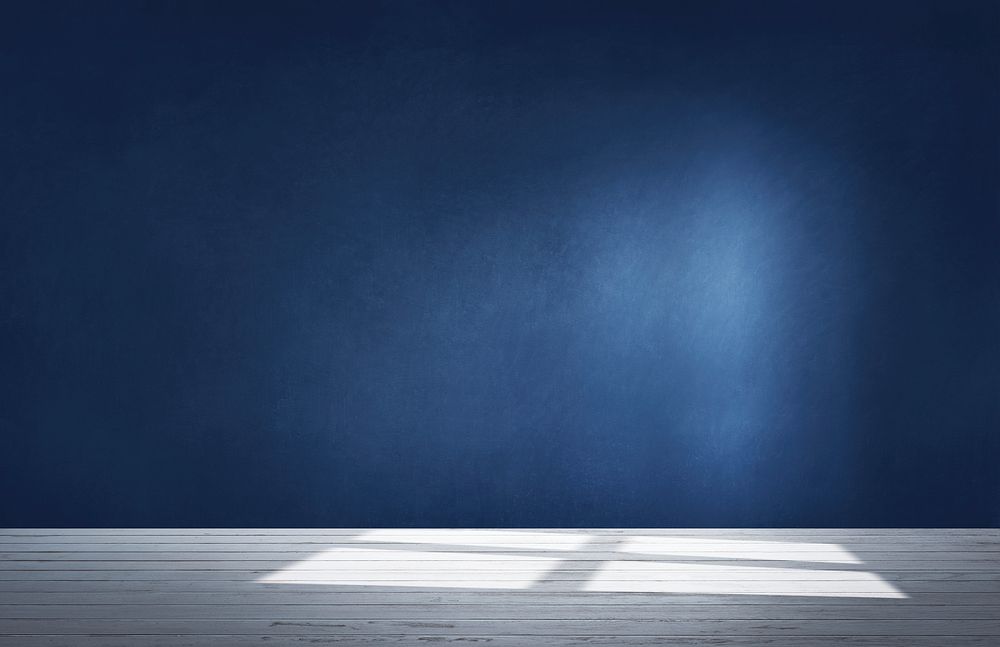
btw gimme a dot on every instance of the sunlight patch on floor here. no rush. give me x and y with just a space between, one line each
512 539
713 579
414 568
580 561
739 548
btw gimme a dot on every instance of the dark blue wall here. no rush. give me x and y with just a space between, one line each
464 263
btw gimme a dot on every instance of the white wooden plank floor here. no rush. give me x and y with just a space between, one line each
505 588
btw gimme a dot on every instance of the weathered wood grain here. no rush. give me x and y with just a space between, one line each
538 587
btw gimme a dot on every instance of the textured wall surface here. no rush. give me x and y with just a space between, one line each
519 263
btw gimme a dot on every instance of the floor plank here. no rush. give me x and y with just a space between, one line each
270 640
507 588
126 609
518 627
